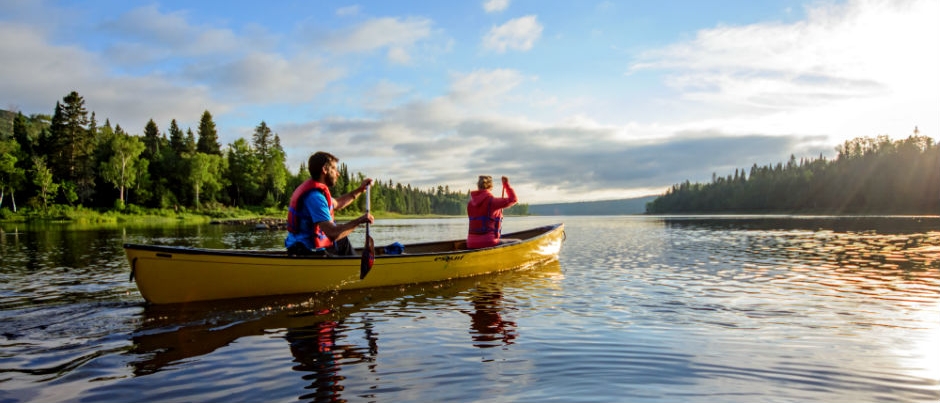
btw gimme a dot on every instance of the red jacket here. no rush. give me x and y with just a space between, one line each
294 217
485 212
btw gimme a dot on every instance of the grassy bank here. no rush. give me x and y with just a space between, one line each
133 214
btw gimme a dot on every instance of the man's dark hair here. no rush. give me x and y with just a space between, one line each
317 161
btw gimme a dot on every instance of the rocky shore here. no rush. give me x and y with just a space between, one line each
260 224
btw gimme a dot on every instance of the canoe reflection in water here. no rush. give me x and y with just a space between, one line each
322 329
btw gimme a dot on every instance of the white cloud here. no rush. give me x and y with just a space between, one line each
484 88
348 11
384 95
32 66
171 34
396 34
37 74
398 55
267 77
449 139
493 6
517 34
841 62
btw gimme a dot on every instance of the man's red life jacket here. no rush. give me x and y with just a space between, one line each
293 219
484 219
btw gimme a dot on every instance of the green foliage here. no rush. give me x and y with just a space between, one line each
119 169
11 175
243 166
6 123
870 176
518 209
272 171
62 158
6 214
198 168
69 192
42 178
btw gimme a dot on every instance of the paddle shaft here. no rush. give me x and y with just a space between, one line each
368 206
368 250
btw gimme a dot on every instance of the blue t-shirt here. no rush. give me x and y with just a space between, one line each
313 208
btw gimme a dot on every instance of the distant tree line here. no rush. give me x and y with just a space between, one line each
868 176
71 159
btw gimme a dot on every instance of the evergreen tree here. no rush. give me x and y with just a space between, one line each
208 137
163 188
22 136
71 147
151 139
177 141
103 152
261 140
274 174
190 144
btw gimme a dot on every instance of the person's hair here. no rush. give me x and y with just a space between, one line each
317 161
485 182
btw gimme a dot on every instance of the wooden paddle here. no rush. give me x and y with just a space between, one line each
368 251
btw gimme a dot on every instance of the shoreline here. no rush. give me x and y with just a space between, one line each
276 223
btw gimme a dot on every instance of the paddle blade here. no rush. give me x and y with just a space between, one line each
368 256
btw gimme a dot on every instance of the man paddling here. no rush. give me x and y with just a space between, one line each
310 217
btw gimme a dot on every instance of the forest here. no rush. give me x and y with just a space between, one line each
870 175
70 159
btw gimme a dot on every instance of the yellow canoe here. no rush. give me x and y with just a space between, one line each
169 274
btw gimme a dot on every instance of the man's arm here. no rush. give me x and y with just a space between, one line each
348 198
336 231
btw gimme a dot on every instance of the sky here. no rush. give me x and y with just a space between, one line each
572 100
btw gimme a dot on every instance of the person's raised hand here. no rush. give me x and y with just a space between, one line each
365 183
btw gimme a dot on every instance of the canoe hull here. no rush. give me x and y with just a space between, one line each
174 275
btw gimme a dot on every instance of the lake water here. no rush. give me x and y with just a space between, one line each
650 309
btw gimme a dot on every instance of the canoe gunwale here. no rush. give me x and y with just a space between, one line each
536 233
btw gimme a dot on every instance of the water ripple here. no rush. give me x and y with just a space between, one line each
637 308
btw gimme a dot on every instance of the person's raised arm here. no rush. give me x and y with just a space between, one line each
503 202
348 198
